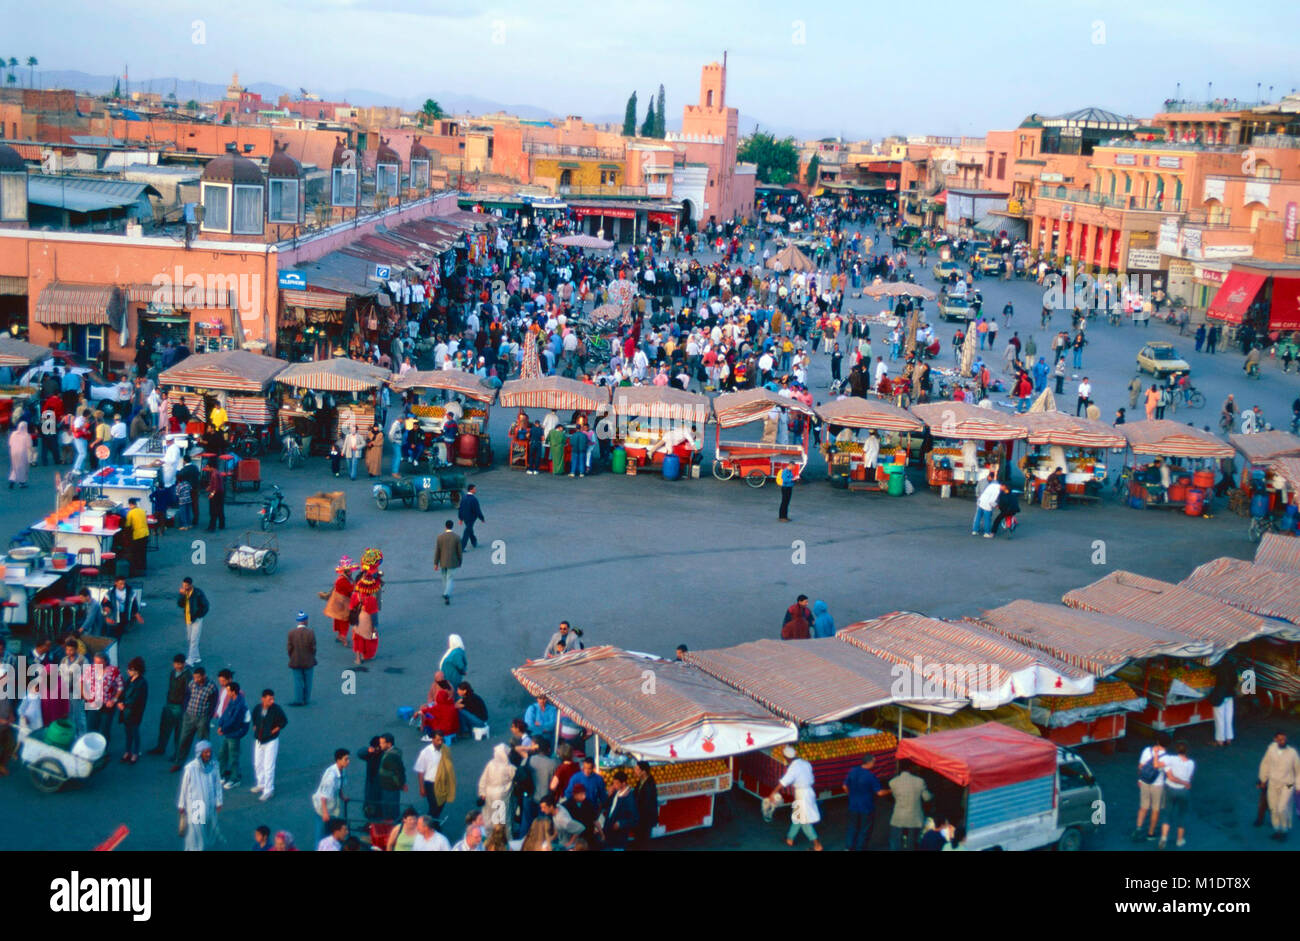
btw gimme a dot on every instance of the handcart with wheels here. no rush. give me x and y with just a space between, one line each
51 765
424 491
258 552
325 507
757 461
361 816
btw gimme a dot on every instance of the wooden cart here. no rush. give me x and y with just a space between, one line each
325 507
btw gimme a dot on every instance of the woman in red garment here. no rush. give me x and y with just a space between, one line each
339 598
365 605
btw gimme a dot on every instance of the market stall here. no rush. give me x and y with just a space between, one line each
18 356
1278 552
655 423
984 443
118 484
1181 474
321 401
758 461
1107 646
555 394
1275 595
1176 693
1076 447
434 394
871 451
76 528
824 687
241 382
687 724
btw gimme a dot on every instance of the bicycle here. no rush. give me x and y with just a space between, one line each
1193 397
1122 481
291 452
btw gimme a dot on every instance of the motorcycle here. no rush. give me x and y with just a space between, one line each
274 511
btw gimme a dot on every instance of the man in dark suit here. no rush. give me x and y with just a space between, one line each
470 513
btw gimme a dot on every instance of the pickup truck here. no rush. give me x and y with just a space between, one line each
1009 789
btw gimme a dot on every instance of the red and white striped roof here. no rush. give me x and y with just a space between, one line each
1256 588
1067 431
454 380
1161 437
1170 606
961 421
740 408
1099 643
1005 669
553 392
1288 468
1279 552
1263 446
233 370
334 375
61 302
656 710
661 402
856 412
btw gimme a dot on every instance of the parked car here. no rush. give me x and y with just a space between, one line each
942 269
1161 360
101 390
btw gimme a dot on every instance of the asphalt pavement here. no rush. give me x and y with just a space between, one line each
645 564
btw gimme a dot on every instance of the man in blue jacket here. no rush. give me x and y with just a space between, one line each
621 817
470 513
590 779
232 726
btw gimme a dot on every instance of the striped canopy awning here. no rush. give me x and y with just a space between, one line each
665 403
1288 468
233 370
182 297
655 710
1160 437
314 300
453 380
987 668
21 353
810 681
553 392
334 375
855 412
961 421
1279 552
1263 446
1170 606
62 302
1099 643
1255 588
740 408
241 409
1067 431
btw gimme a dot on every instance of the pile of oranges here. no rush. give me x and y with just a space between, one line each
1106 691
677 771
824 749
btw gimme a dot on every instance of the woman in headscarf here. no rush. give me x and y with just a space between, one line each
284 842
439 714
495 784
375 451
365 603
454 665
823 623
199 800
338 598
20 455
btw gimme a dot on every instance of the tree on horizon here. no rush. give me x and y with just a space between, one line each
32 62
660 130
629 117
648 126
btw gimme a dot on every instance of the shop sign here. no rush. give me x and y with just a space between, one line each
1168 241
1289 225
1214 189
1145 258
1257 191
1181 269
1225 251
1209 275
1170 163
1051 178
1125 160
293 280
1190 240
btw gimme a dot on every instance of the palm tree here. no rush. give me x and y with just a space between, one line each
32 63
13 64
431 110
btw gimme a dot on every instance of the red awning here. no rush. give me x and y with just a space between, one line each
1285 312
1234 298
942 198
983 757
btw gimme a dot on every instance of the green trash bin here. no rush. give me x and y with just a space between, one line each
618 461
896 477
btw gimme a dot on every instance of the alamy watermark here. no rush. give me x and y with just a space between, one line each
921 680
177 289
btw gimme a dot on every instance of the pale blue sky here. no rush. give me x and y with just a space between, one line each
867 68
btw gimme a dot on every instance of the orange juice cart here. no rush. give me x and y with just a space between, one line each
848 461
969 441
1078 446
462 392
756 462
652 422
686 724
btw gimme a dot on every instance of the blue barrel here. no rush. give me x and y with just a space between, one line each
1259 504
1257 478
1291 518
672 467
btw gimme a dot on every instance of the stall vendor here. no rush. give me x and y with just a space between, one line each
871 449
1157 478
337 600
519 430
1055 484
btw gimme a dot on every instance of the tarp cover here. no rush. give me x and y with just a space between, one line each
1279 552
982 758
1263 446
1161 437
856 412
454 380
1235 295
961 421
1273 593
557 393
232 370
741 408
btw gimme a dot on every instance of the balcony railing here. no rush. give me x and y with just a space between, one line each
1218 104
1118 201
1275 140
1124 143
610 190
568 150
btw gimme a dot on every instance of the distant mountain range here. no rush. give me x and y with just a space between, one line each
452 102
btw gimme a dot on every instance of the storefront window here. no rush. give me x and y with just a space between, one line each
282 203
248 210
216 208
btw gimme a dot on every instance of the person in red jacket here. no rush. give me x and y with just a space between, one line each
798 618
